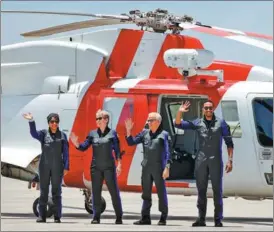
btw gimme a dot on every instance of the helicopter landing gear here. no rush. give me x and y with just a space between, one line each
88 202
35 208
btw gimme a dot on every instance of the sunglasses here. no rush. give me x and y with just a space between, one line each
100 118
151 120
208 108
54 122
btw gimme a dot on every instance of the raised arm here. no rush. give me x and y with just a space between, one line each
81 146
66 152
179 122
131 141
187 125
34 133
85 145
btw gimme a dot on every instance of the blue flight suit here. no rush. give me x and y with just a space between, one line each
53 161
103 167
156 158
209 160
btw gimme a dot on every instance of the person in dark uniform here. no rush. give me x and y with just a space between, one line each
211 130
155 165
53 165
103 140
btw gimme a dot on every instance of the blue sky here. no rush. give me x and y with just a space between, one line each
253 16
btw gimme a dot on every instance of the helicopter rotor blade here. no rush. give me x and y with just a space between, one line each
249 34
71 26
124 17
251 41
219 31
228 34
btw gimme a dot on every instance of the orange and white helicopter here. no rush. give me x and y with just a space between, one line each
130 73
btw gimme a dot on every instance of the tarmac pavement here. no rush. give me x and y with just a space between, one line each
17 214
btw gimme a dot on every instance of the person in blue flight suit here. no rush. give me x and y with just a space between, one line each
103 141
155 165
211 130
53 164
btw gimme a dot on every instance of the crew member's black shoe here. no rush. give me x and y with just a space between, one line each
218 224
143 221
57 220
119 221
41 220
162 221
95 221
199 222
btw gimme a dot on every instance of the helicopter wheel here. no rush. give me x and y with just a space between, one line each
35 208
89 209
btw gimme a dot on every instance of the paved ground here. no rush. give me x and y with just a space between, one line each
16 212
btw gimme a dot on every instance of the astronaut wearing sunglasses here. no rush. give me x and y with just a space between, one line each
53 165
210 130
103 141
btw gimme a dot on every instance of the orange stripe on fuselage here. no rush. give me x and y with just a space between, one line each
84 120
123 52
118 65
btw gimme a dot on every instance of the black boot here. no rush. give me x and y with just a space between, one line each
119 220
162 221
145 220
57 220
41 220
218 223
199 222
95 221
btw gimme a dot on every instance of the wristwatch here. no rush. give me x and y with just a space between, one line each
168 165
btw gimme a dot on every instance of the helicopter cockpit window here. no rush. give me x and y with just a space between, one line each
231 116
263 116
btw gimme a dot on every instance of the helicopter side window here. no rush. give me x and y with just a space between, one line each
263 116
231 116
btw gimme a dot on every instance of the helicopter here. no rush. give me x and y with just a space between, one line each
78 74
